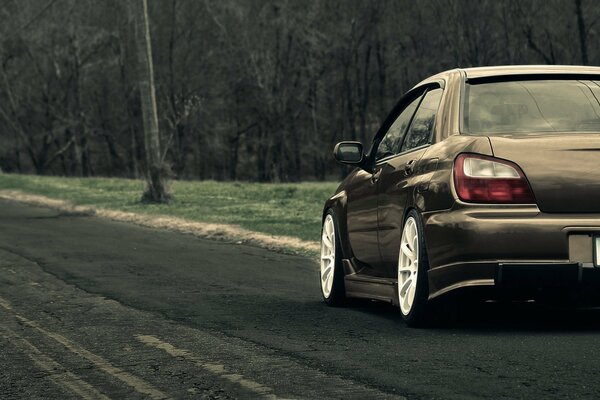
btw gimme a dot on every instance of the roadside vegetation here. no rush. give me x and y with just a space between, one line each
247 90
276 209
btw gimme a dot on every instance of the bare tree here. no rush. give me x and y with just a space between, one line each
247 89
156 170
582 29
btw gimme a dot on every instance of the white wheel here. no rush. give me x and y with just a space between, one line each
331 272
408 266
327 256
413 265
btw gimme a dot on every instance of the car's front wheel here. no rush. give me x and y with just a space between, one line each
412 273
332 274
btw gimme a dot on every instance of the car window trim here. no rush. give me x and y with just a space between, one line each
412 118
405 101
429 89
420 100
388 122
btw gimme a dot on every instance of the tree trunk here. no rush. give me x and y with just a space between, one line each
582 32
156 171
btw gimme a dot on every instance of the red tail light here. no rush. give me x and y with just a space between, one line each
482 179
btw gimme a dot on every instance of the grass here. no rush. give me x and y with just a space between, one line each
278 209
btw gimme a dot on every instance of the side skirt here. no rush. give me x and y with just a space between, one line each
367 287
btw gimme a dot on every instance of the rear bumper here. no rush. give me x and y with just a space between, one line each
510 249
517 280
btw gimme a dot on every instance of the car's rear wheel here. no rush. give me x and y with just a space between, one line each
412 273
332 274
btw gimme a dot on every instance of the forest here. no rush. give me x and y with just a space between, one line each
248 90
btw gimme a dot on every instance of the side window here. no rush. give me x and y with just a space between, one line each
421 128
391 142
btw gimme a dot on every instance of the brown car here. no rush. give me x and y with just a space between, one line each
481 179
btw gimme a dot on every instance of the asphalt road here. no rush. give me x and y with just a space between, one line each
95 309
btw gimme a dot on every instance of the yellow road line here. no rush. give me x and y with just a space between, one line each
136 383
215 368
56 372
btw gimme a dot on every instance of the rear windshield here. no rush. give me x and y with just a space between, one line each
532 106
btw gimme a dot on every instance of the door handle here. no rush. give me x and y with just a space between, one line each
375 176
409 168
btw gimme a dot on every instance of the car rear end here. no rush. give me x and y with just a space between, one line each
526 215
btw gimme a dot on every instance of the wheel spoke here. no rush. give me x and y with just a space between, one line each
326 240
410 292
405 286
406 250
406 269
326 272
406 302
328 283
329 228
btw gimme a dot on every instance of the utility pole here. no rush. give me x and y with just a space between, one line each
156 170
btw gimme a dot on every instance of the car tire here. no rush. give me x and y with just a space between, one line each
413 264
331 274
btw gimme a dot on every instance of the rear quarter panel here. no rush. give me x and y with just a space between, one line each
440 195
433 178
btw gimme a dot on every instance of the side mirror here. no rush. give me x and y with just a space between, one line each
349 153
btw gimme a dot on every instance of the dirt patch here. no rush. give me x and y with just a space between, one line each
232 233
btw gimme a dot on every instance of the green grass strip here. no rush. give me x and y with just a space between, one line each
288 209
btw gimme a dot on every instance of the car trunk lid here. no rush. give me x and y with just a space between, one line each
563 169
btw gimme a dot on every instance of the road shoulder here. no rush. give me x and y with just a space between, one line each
225 232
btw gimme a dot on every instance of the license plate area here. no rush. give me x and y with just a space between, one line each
530 276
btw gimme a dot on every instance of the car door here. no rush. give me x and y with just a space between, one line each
362 192
397 173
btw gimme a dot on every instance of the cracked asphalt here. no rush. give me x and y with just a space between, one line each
96 309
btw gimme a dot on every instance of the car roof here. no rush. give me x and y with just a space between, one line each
504 70
511 70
